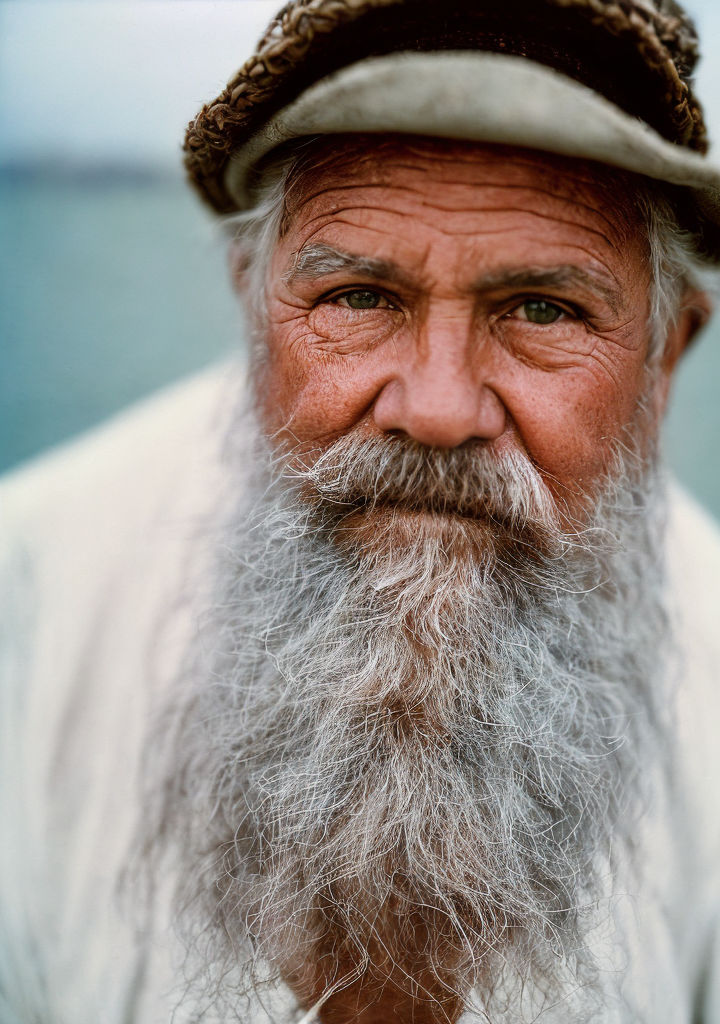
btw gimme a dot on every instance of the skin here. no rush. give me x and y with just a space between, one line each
464 236
401 299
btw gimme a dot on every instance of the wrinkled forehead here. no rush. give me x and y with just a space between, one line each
332 166
329 175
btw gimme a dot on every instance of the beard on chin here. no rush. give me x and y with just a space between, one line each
416 725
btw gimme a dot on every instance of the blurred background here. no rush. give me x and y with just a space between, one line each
112 277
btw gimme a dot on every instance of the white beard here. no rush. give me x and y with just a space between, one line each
418 723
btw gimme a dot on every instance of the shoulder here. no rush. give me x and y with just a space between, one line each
76 517
95 543
693 554
693 573
98 537
123 466
693 561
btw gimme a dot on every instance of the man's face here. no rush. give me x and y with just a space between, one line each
449 292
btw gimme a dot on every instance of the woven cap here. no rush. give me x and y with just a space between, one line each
456 70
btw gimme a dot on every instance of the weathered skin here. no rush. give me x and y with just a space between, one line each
468 235
449 354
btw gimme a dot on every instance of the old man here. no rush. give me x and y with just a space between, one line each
404 708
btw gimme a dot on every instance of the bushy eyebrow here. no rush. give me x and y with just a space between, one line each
318 260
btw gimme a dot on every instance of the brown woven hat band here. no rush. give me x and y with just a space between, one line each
478 96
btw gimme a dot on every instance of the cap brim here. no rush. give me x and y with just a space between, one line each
481 97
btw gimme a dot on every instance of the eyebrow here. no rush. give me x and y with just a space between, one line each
318 260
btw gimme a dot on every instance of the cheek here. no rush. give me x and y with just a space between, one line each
568 421
322 373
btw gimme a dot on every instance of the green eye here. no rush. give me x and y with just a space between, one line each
537 311
362 300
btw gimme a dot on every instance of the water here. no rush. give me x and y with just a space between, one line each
113 286
106 292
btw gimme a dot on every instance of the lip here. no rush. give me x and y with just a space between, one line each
422 512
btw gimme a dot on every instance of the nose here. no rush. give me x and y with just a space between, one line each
440 401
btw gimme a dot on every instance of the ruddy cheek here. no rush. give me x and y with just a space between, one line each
574 442
347 332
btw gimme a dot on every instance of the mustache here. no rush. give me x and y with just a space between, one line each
471 481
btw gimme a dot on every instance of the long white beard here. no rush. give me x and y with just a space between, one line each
418 723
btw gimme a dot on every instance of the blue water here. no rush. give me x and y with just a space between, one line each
111 288
106 292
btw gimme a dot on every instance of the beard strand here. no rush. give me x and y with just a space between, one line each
417 723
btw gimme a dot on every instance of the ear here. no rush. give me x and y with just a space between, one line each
695 310
238 264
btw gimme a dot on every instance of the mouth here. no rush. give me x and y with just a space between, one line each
406 523
396 525
425 512
423 507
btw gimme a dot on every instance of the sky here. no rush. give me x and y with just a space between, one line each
118 81
114 80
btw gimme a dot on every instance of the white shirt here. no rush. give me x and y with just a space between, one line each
97 544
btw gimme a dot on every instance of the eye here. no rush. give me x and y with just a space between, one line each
362 299
538 311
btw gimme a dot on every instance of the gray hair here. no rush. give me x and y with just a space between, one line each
450 726
676 264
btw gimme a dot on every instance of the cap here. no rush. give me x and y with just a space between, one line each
606 80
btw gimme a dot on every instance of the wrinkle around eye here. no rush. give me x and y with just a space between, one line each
347 331
559 345
570 344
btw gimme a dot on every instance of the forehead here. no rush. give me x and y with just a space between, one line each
448 186
374 156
